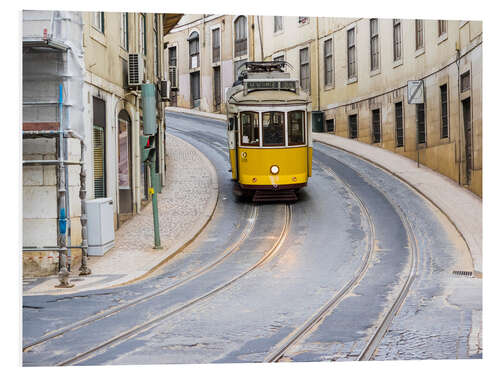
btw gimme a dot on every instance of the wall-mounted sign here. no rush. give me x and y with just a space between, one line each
416 92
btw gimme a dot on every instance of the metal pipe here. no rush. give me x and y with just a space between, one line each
63 274
51 162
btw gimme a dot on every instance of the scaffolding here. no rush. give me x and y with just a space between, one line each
53 43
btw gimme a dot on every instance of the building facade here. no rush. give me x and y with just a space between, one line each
86 55
356 72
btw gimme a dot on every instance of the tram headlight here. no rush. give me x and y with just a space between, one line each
275 169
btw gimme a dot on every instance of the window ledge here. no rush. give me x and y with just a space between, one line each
419 52
442 38
375 72
243 57
279 32
352 80
98 36
397 63
329 87
215 64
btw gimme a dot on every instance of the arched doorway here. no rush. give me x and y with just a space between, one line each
125 162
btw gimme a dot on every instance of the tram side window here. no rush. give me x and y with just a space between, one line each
296 128
249 128
273 128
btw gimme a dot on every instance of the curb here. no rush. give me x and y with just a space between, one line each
214 116
175 249
197 228
477 273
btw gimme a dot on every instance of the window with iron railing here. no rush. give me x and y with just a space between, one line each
194 50
240 40
215 45
444 111
421 123
399 124
376 126
353 126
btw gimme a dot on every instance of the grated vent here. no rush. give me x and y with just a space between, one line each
463 273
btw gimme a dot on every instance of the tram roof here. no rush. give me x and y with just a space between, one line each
269 97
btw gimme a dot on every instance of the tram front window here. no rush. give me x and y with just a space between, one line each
249 128
296 128
273 128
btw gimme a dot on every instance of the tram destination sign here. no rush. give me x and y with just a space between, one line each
270 85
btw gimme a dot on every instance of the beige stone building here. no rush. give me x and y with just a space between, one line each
86 54
356 71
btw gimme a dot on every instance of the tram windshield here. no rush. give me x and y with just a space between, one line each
296 128
273 128
249 128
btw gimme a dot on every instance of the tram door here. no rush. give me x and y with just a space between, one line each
468 138
232 145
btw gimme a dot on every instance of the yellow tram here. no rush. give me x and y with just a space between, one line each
269 132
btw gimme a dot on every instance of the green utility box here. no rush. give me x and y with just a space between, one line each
317 122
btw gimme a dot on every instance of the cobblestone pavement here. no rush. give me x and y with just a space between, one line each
185 205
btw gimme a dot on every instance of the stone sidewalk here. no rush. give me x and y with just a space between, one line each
463 208
185 206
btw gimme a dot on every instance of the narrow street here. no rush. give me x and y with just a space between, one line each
361 267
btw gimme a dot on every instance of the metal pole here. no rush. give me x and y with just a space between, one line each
154 191
61 238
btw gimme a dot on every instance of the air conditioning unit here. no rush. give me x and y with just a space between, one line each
172 76
135 69
165 90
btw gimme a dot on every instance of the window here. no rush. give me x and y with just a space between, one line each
142 34
194 50
442 27
465 81
296 135
99 146
399 125
305 78
353 126
419 34
328 50
351 54
98 21
217 89
249 128
215 45
172 66
240 40
421 123
124 31
374 49
273 128
303 20
278 23
376 126
330 125
444 111
396 34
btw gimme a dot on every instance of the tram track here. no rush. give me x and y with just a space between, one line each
250 224
126 335
383 325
